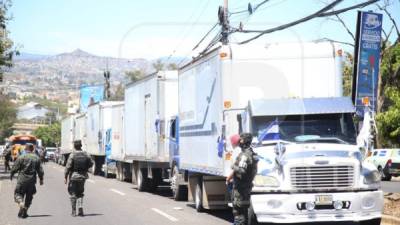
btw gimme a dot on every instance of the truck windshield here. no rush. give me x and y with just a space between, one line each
324 127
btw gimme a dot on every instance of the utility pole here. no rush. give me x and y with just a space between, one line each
107 92
224 22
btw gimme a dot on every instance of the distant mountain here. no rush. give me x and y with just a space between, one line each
67 71
74 68
29 56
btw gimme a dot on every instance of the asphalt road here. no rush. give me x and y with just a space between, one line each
392 186
107 202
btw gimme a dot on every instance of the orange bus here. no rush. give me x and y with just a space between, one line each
18 142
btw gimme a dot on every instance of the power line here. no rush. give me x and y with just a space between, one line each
320 13
189 30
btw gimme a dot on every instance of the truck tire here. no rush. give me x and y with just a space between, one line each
371 222
198 197
155 181
142 180
179 191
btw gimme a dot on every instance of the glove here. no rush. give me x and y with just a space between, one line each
41 182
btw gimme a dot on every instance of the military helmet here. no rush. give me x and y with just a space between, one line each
245 140
78 144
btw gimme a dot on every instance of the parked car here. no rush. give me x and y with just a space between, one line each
50 153
387 161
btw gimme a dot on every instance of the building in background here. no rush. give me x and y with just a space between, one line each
32 111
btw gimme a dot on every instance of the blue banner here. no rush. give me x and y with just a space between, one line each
90 95
369 49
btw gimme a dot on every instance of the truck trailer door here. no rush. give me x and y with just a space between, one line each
147 126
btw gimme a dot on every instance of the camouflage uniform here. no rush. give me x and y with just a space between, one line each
76 170
28 166
245 169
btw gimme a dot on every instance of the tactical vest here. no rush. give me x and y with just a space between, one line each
80 160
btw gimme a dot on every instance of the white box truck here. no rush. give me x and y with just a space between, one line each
235 89
149 103
67 138
80 129
114 140
98 121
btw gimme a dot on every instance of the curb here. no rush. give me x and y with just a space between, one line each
390 220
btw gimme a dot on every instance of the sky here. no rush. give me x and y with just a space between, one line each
151 29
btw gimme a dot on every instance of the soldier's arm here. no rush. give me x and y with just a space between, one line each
68 167
90 162
40 171
16 167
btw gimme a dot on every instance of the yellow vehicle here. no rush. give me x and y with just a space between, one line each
18 142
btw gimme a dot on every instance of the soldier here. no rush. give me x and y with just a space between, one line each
243 172
76 170
27 166
7 159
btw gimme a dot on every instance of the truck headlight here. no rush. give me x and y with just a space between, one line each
372 177
265 181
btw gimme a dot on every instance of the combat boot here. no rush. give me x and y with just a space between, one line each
24 213
21 209
79 203
73 204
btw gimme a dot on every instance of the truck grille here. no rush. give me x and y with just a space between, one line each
322 177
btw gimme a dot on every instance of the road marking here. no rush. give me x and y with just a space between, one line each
54 167
173 219
91 181
118 192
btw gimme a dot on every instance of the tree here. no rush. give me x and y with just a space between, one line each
119 93
8 112
158 65
172 66
388 119
8 115
50 135
6 51
388 122
347 74
134 75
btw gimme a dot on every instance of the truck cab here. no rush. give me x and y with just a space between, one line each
310 168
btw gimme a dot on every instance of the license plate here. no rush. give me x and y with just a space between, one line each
323 199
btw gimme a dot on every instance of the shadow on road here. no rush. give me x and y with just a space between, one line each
93 214
33 216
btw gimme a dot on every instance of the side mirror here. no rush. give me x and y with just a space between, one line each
363 152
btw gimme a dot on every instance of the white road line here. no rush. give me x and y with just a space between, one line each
118 192
173 219
91 181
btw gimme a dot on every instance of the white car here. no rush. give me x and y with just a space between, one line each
387 161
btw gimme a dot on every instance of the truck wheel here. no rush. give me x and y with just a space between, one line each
252 218
142 180
179 191
199 196
156 180
371 222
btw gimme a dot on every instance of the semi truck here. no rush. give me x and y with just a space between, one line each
149 103
313 172
114 141
67 138
98 122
